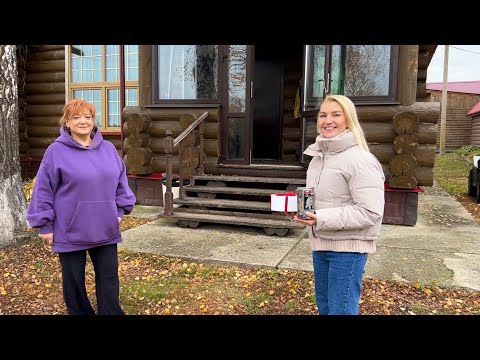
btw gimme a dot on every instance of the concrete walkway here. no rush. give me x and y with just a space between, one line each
443 248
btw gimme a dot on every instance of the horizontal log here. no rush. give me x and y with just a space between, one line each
138 140
424 153
23 137
428 112
55 77
383 132
210 147
137 169
170 114
289 120
405 122
44 120
43 131
291 134
210 131
160 162
36 152
423 175
44 48
45 110
159 165
289 157
46 99
114 139
290 147
40 142
187 119
46 66
138 122
44 88
159 128
139 157
54 54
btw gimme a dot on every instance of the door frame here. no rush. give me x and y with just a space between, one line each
247 114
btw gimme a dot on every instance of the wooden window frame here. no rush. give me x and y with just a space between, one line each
103 86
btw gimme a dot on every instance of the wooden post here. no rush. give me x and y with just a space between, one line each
443 115
168 201
201 168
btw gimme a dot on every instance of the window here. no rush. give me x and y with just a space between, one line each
186 72
95 76
365 73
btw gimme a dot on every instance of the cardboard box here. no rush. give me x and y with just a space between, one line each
284 202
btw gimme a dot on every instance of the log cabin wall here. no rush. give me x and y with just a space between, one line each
45 95
475 139
377 121
145 132
459 127
425 54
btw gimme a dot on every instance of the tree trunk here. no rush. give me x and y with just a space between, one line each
12 199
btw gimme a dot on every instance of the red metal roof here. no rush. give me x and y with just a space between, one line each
466 87
474 110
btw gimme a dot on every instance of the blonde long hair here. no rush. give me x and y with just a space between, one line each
350 112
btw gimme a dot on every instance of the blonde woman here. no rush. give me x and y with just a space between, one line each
349 201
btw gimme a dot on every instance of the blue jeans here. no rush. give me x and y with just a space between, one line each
338 281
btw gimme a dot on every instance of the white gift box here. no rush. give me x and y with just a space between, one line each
283 202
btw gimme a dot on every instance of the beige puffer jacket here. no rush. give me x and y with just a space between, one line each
349 195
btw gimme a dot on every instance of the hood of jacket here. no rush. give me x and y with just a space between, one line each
66 139
336 144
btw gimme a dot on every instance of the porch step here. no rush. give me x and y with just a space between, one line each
231 190
238 200
236 220
250 179
223 203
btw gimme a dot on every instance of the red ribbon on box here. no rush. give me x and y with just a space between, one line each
291 193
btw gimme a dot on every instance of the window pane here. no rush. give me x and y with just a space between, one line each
187 71
318 71
113 106
131 97
336 81
236 144
367 70
131 62
112 55
86 63
92 96
237 77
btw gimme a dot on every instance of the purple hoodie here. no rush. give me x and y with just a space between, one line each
79 192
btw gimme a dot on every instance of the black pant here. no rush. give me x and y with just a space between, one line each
107 288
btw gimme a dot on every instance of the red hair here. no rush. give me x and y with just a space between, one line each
76 107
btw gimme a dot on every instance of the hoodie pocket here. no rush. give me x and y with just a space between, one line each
93 222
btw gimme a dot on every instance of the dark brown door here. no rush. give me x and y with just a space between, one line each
267 110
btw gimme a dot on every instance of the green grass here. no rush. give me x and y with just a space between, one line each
451 172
